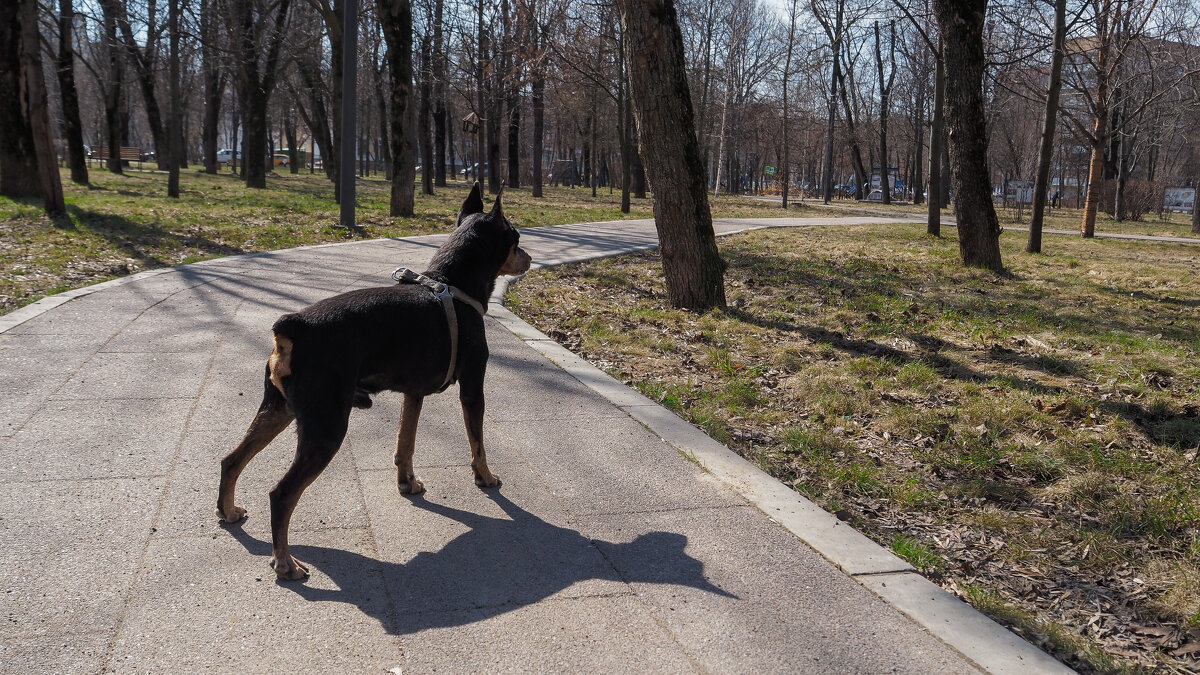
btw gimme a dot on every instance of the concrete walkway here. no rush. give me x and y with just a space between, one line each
604 550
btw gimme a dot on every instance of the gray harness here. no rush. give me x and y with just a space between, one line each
447 294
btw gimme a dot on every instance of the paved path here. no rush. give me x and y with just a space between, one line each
605 549
947 219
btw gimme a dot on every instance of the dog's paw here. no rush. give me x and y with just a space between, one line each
413 486
232 515
289 569
489 480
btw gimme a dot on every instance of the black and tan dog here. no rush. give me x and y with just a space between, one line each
333 355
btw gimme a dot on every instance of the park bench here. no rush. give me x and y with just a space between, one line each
127 154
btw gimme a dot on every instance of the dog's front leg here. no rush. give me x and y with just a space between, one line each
470 394
406 441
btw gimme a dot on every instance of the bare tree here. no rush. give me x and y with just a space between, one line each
18 158
72 125
885 90
175 123
962 23
666 132
786 166
1041 185
395 17
145 66
258 31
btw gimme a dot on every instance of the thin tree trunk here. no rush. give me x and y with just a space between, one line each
72 126
885 90
289 131
785 165
537 100
666 131
212 85
937 148
835 47
1041 185
439 97
175 124
1091 204
917 184
1196 206
481 94
625 111
114 84
424 113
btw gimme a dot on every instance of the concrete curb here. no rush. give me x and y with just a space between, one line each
989 645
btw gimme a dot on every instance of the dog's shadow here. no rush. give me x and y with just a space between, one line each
497 566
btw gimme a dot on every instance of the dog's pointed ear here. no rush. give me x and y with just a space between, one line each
472 204
497 209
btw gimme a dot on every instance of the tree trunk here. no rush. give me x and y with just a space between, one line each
255 82
1091 204
835 46
395 17
514 137
439 97
212 85
144 65
289 132
1196 207
72 125
175 123
537 87
860 171
424 113
1041 185
35 109
961 23
666 131
785 165
625 111
112 96
18 155
885 90
481 90
639 173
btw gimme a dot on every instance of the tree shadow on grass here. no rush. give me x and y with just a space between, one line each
498 566
141 241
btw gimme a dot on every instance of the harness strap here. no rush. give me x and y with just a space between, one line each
447 294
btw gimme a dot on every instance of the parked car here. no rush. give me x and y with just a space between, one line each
279 159
226 156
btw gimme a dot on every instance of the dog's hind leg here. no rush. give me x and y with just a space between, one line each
320 436
406 441
272 418
470 395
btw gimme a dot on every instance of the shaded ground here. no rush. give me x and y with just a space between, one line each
1029 441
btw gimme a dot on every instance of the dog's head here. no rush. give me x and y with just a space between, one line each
493 234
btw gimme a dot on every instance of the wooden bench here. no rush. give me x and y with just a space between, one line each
100 153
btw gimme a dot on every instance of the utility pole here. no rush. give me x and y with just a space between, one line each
349 97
